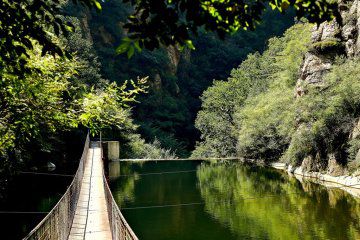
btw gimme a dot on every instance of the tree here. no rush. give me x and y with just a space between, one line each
153 22
172 22
249 114
24 21
41 103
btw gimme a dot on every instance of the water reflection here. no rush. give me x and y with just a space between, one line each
259 203
28 199
125 190
237 202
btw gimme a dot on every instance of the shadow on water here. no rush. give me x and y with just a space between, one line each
233 201
27 195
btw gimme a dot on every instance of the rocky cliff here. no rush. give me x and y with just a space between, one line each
330 40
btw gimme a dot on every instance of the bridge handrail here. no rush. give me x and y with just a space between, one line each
120 229
57 223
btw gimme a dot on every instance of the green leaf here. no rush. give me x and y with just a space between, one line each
98 5
190 44
131 51
122 48
137 46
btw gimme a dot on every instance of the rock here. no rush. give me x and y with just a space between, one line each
157 83
313 164
331 30
356 131
177 89
313 69
317 33
107 38
34 169
334 168
299 171
356 134
174 56
291 169
279 165
349 31
350 47
50 166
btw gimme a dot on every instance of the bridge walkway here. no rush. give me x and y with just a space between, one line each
91 221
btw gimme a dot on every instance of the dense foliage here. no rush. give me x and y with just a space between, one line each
155 23
23 21
176 78
34 29
255 112
45 110
44 92
258 76
55 96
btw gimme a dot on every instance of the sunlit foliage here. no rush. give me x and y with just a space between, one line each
169 109
47 100
152 23
260 89
327 115
268 119
173 22
23 22
272 123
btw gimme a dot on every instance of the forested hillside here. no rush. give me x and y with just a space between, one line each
64 74
298 102
176 78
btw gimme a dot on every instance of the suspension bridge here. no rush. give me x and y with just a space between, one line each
87 210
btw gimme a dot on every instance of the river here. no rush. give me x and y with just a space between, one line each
229 200
26 196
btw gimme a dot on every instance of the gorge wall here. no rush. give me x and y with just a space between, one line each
330 40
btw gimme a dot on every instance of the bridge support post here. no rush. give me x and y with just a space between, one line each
113 152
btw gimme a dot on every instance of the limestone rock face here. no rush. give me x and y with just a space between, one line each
329 40
327 31
339 37
356 134
356 131
350 12
313 164
174 56
334 168
157 83
313 69
84 21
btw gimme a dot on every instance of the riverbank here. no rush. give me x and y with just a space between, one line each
350 184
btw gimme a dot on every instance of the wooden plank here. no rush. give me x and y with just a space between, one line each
91 217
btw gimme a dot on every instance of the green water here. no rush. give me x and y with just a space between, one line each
227 200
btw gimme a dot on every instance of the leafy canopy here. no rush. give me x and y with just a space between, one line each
252 113
48 100
24 21
153 22
173 22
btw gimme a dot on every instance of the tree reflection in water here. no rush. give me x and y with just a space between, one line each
262 203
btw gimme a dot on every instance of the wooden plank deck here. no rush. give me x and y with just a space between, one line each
91 220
